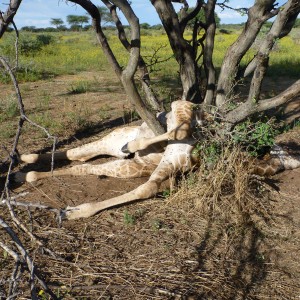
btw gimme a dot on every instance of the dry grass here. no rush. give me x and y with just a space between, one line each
209 240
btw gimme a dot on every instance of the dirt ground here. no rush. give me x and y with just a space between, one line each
160 248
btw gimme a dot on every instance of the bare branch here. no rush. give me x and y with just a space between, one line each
208 52
126 75
187 17
96 21
8 16
144 77
6 192
241 10
260 12
257 79
251 107
10 252
11 294
281 27
13 202
28 262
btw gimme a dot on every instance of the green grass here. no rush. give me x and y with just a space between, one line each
8 108
70 53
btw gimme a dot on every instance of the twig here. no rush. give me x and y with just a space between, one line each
29 204
12 198
10 252
22 119
12 290
6 193
28 261
241 10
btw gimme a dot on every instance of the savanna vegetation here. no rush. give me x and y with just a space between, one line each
220 233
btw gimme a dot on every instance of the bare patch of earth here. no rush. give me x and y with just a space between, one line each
154 249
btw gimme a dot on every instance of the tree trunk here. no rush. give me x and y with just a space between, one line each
258 14
183 51
208 52
8 16
125 75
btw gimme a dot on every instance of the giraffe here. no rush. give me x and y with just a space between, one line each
156 156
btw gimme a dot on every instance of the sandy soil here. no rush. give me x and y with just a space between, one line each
155 249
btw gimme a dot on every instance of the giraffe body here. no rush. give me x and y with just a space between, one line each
156 156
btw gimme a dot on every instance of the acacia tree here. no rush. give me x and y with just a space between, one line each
191 55
57 22
77 21
196 54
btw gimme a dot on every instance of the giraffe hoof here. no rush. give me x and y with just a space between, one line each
22 177
125 149
29 158
70 213
32 176
19 177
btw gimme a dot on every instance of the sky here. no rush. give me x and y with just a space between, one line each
39 13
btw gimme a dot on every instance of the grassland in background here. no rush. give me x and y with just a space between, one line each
66 53
73 52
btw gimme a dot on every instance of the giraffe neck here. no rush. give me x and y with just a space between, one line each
280 160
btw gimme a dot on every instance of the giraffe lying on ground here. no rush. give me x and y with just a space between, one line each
153 157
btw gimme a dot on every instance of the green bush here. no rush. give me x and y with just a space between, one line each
28 43
257 136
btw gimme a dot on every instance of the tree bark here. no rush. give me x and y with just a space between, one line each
151 99
282 26
183 51
8 16
261 11
208 52
251 107
125 75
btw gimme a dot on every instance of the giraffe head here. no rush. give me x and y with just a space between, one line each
180 118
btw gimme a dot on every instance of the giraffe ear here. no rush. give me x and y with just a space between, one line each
202 117
199 117
162 118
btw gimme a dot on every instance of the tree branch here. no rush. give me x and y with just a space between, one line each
251 107
208 52
125 75
142 67
282 25
13 155
28 261
183 51
257 15
187 17
8 16
96 21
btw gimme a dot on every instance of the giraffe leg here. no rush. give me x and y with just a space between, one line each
85 210
175 158
122 168
111 144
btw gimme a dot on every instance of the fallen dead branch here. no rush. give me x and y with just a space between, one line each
23 257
